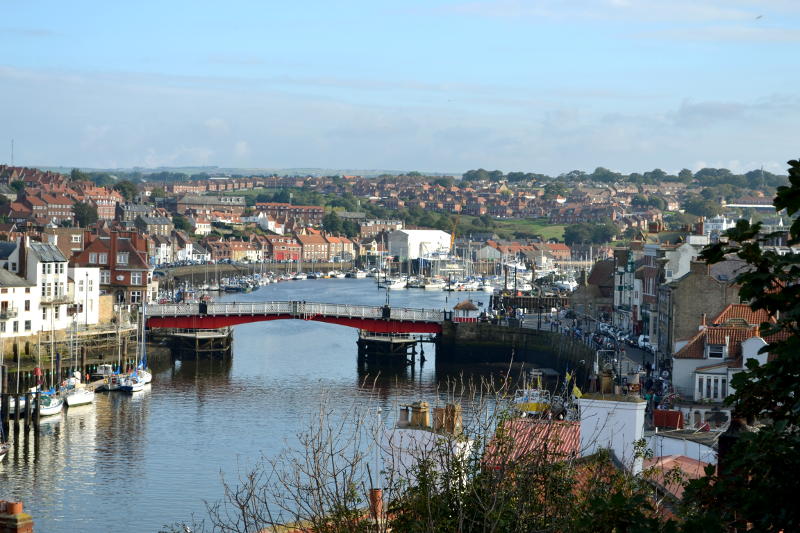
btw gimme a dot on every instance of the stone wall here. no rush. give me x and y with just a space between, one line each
485 342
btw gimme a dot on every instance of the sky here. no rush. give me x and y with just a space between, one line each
439 86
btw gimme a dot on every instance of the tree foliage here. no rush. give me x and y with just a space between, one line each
589 233
85 214
127 189
760 470
181 223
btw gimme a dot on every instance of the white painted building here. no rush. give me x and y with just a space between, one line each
46 267
85 282
415 243
614 423
20 314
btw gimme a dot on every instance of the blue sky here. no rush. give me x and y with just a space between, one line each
536 85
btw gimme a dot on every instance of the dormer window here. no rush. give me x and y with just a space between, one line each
716 351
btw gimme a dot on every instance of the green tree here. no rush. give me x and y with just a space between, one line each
158 192
701 207
332 223
18 186
127 189
85 214
78 175
578 233
551 190
685 175
181 223
758 469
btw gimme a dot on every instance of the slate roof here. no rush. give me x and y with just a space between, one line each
9 279
7 248
47 253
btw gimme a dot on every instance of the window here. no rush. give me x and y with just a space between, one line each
76 238
136 278
27 305
2 327
15 326
122 258
27 325
103 259
44 314
716 351
56 312
91 282
44 268
80 285
93 258
14 267
27 290
136 297
105 277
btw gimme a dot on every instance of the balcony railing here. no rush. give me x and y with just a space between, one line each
6 313
56 300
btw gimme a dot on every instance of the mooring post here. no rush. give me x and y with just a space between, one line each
38 414
16 408
28 404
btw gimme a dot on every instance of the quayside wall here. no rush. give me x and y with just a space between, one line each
483 342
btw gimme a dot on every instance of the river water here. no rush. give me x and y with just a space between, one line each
135 463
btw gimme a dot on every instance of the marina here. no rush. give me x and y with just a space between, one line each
208 408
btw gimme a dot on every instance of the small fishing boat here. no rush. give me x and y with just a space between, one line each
533 400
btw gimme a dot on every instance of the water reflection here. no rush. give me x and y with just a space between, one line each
157 455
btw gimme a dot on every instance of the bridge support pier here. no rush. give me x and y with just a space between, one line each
397 349
202 344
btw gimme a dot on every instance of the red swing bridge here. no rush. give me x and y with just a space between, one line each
375 319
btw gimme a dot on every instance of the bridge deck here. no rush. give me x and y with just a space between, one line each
370 318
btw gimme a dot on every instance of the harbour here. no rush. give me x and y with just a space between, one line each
210 415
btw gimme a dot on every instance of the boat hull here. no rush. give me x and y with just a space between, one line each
80 397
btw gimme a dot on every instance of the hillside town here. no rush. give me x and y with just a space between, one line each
623 272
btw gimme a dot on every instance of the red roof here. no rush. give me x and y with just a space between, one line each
660 468
520 438
742 312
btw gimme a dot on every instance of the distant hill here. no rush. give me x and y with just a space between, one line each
213 170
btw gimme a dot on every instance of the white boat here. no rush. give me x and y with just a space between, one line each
470 286
395 284
50 405
79 397
435 285
131 383
360 274
487 287
5 447
339 275
13 405
144 375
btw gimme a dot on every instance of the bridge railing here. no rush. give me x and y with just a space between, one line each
295 308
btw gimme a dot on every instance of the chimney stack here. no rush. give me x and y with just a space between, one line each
13 519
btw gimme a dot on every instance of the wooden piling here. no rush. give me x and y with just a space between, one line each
28 404
16 408
6 407
38 413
